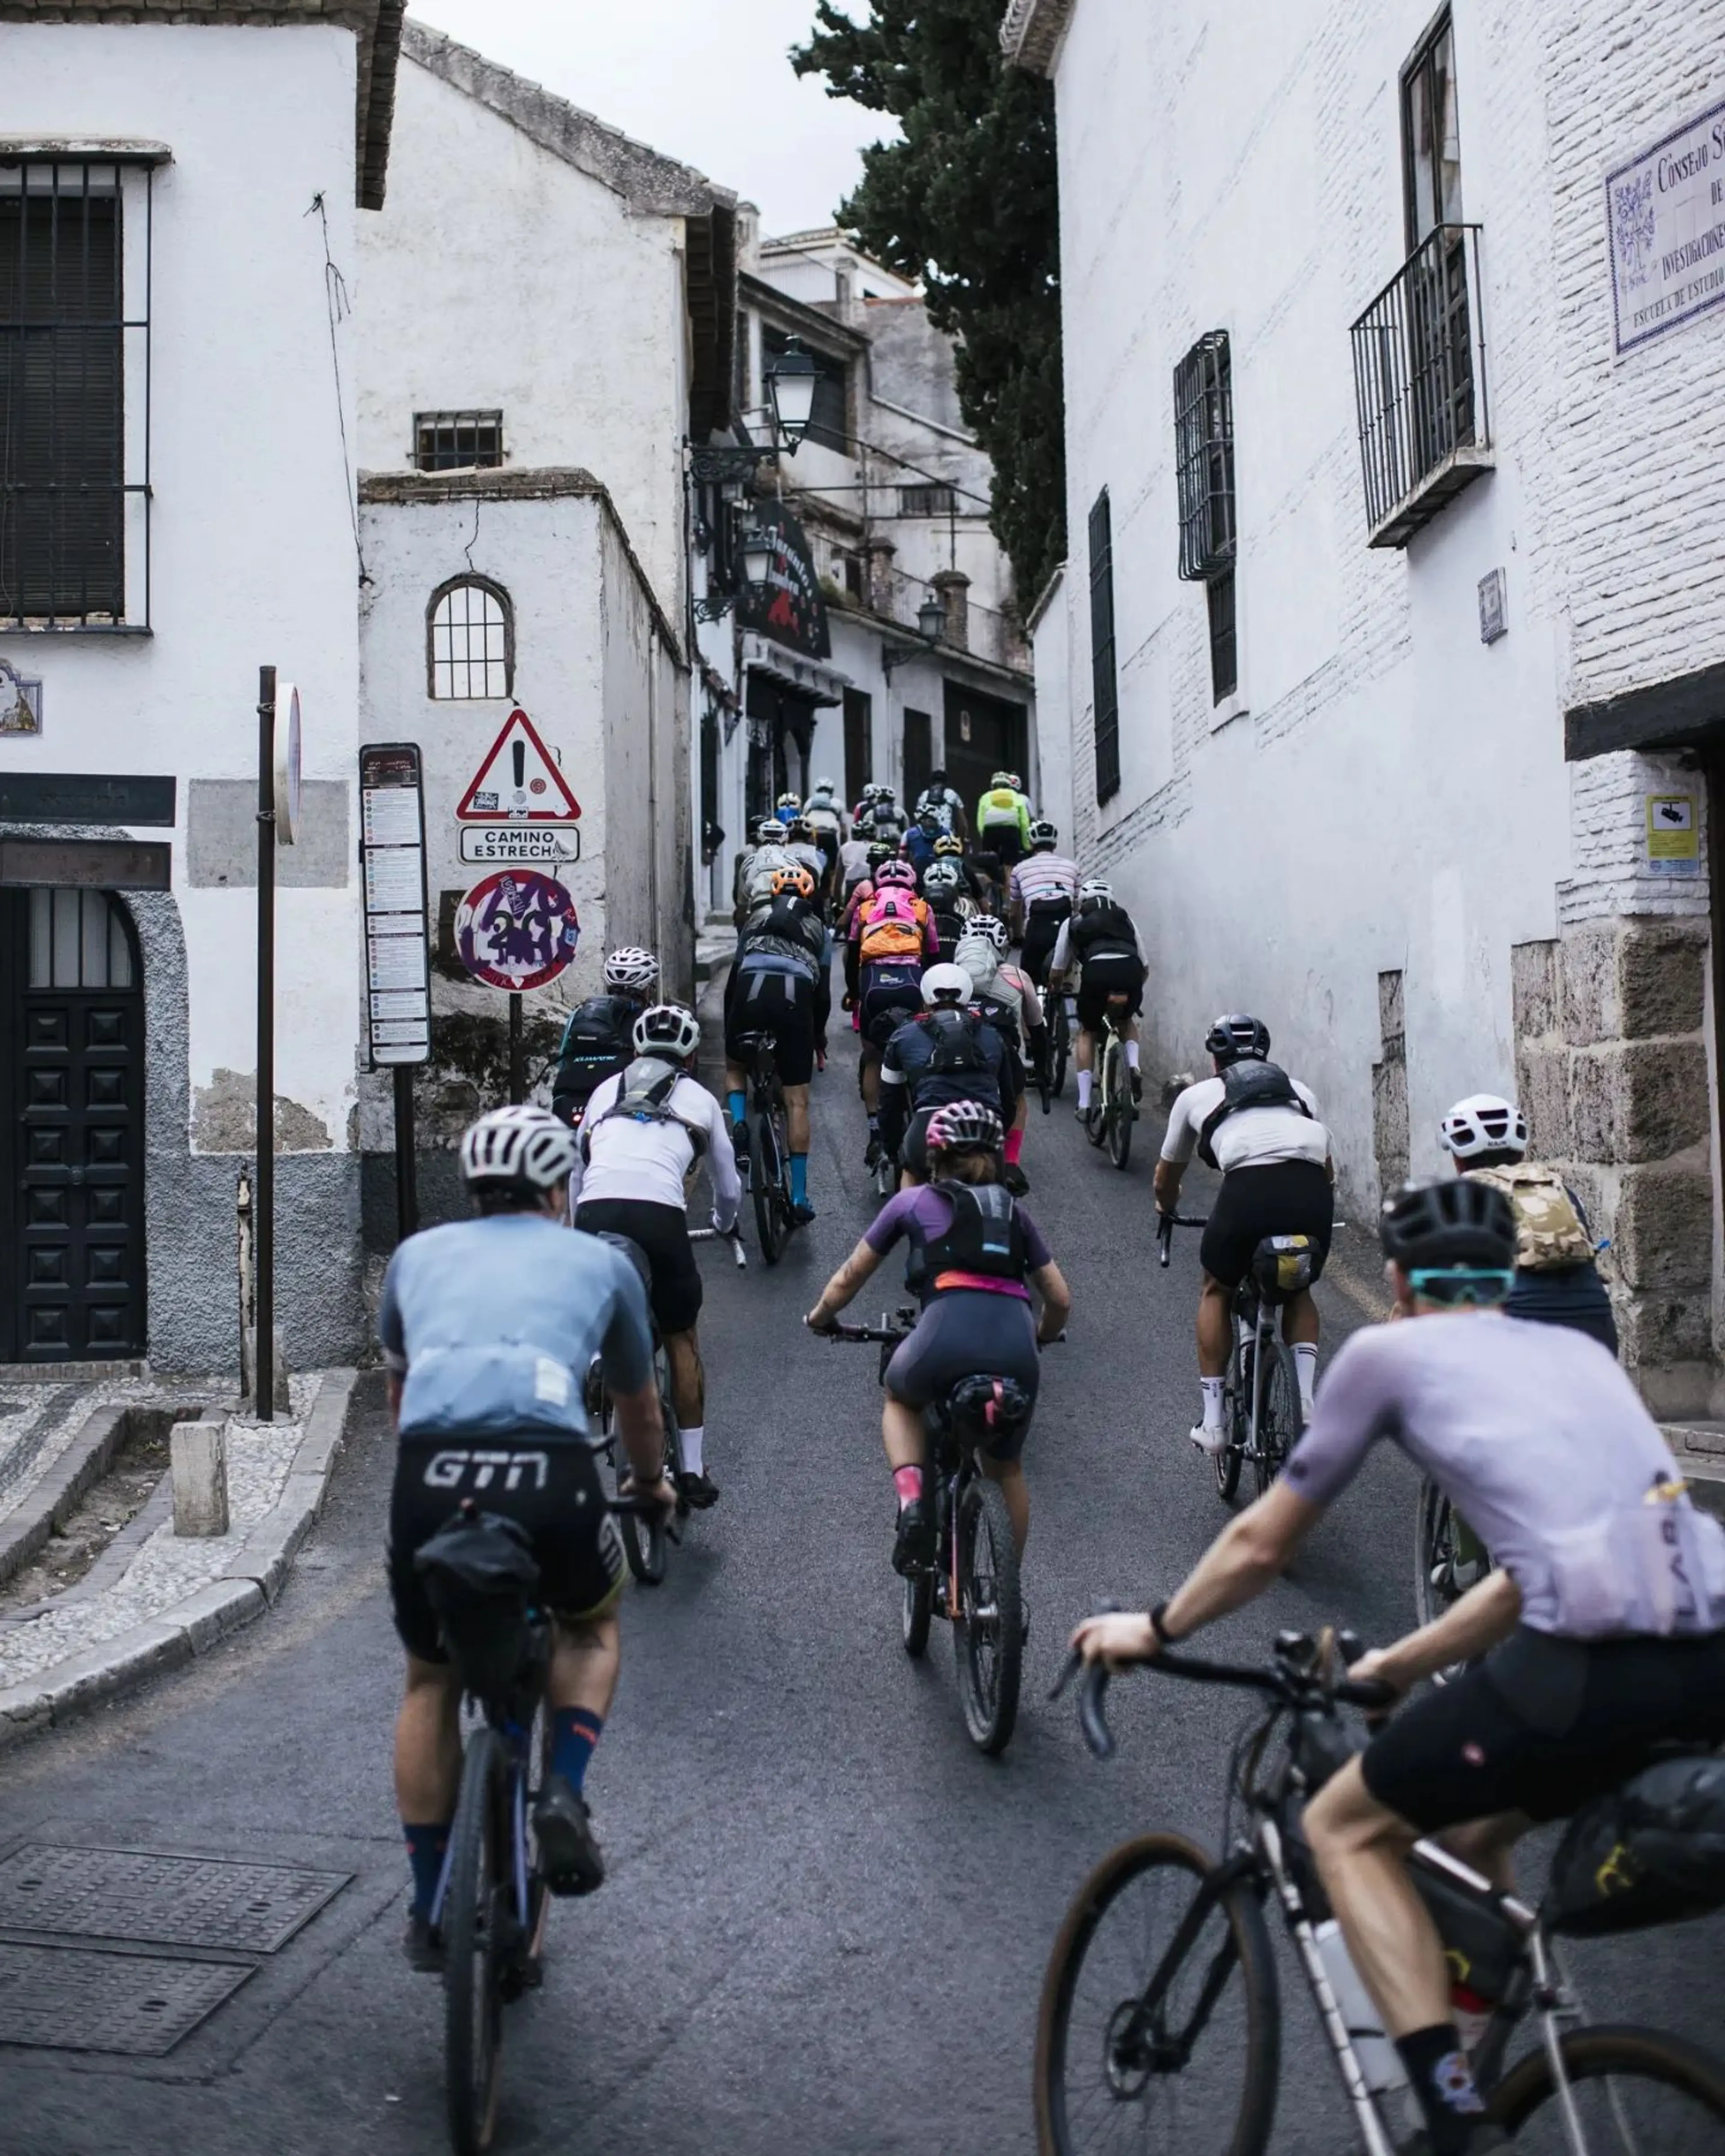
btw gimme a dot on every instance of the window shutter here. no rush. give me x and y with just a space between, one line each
1105 688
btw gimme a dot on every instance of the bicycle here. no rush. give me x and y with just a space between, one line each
492 1902
1260 1389
768 1173
1060 1045
1127 2004
1113 1107
1449 1558
973 1579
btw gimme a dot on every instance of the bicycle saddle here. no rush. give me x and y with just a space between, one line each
633 1251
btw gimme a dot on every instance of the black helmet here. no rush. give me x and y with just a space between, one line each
882 850
1236 1036
1459 1223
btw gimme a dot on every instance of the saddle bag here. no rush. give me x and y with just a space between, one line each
480 1575
1652 1852
985 1409
1284 1266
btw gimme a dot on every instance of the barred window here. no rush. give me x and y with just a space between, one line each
1105 687
457 441
67 355
935 500
470 640
1225 649
1204 451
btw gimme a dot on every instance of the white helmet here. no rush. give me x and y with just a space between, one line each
629 967
522 1148
1484 1122
823 785
671 1030
947 983
1093 891
989 928
940 876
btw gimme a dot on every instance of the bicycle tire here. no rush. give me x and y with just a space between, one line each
918 1610
1279 1418
1061 1042
1120 1105
1226 1463
1620 2054
1434 1522
472 2005
990 1650
768 1166
644 1538
1095 1127
1251 2088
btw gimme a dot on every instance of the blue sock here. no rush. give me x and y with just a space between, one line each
574 1732
799 1178
738 1106
425 1854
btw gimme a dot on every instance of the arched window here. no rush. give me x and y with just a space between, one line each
470 640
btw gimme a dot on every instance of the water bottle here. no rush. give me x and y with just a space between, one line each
1380 2060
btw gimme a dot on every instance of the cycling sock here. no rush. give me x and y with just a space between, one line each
690 1442
574 1732
1306 1370
1085 1078
425 1855
1443 2081
1132 1056
799 1178
1014 1147
908 1483
738 1107
1212 1389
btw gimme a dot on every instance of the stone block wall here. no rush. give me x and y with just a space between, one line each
1611 1066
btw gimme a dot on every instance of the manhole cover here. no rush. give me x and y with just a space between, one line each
163 1901
68 2000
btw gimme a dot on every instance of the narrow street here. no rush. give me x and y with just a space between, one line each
827 1917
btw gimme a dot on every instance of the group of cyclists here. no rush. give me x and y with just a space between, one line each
1597 1630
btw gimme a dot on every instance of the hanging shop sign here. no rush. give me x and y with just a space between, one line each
391 810
788 607
1665 218
516 930
519 782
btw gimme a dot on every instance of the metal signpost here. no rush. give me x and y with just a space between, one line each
391 798
278 823
515 930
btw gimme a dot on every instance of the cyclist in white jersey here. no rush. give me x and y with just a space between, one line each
1603 1621
1042 891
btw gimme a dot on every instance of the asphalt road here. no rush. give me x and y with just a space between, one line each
827 1917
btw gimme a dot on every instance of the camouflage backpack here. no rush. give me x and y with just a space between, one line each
1549 1231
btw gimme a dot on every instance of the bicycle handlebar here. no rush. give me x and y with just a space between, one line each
733 1236
1166 1224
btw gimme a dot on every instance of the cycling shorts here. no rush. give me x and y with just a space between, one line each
970 1332
768 1000
889 995
661 1233
557 1497
1005 841
1282 1198
1042 931
1543 1724
1118 975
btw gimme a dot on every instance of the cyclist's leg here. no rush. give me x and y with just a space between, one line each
794 1036
581 1571
428 1737
687 1377
1232 1234
737 997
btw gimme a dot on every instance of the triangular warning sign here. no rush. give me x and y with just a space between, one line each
519 782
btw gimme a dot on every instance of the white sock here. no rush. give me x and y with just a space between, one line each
1071 1010
1212 1388
689 1442
1132 1056
1306 1370
1085 1078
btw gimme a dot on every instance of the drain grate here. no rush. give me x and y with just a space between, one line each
160 1900
64 1999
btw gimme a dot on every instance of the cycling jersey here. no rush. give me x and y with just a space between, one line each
756 869
918 1056
1540 1441
895 926
1250 1138
791 931
1000 806
929 1218
940 801
494 1322
596 1045
650 1160
1008 987
824 815
1045 879
853 863
1099 931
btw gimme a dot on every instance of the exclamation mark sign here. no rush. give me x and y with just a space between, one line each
518 750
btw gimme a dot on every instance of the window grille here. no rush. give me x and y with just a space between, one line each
1105 688
936 499
1204 450
74 480
457 441
1225 655
78 940
470 641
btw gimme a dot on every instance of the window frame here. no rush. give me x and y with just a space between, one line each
468 580
1203 458
1221 599
933 499
476 419
1104 679
1417 226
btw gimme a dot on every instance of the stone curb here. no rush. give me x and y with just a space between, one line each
251 1582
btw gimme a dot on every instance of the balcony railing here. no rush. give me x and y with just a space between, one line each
1420 379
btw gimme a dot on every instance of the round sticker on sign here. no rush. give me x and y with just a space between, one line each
516 930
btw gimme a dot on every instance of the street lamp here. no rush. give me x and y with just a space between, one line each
756 555
790 387
930 627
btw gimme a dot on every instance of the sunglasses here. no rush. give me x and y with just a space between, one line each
1462 1287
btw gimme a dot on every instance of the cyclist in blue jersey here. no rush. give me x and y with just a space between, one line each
489 1327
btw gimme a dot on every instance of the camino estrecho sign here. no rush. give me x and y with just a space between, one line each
1664 215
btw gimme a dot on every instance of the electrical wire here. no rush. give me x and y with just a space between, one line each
340 306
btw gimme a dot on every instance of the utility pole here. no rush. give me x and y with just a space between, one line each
263 1353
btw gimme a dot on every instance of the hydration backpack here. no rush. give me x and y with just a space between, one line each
1549 1231
1250 1083
595 1047
891 923
958 1050
986 1237
645 1098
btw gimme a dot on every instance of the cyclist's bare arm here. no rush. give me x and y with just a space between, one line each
642 1430
844 1285
1489 1611
1049 1282
1169 1173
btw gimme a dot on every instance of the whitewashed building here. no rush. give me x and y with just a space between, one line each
826 672
1391 639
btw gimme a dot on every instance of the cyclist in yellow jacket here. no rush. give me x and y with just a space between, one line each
1003 818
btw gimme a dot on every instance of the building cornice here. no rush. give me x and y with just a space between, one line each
1031 33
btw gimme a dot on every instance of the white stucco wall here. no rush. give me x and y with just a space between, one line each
1051 633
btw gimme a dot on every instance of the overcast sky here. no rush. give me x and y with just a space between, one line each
707 81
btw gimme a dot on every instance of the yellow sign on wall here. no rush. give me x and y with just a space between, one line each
1673 833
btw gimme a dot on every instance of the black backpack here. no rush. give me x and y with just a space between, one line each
1250 1083
596 1046
958 1050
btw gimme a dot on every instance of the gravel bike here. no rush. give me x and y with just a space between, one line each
972 1578
1260 1389
1060 1042
1113 1105
1160 2025
492 1902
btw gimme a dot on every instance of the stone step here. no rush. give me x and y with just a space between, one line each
1698 1447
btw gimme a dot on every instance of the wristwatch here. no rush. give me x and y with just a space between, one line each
1166 1637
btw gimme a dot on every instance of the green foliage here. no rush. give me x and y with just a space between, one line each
967 203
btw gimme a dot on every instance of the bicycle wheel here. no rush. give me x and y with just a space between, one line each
1638 2092
474 1914
764 1183
988 1636
1095 1128
644 1539
1061 1042
1278 1415
1194 2077
1227 1462
1448 1559
1120 1104
919 1607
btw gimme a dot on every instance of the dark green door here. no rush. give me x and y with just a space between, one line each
71 1130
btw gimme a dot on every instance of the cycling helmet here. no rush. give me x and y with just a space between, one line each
948 847
1459 1224
788 801
1043 836
882 850
964 1126
823 786
519 1148
797 880
990 928
632 970
941 876
947 983
1483 1123
769 832
1094 892
671 1030
1236 1036
1015 781
1004 778
801 829
896 871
